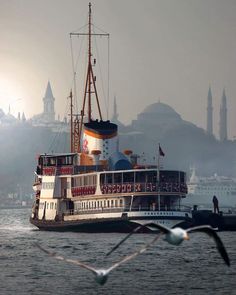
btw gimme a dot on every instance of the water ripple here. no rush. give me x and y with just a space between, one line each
192 268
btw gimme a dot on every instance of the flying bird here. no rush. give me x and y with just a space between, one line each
177 235
101 274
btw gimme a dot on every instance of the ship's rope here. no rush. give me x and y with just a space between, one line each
106 96
58 134
75 63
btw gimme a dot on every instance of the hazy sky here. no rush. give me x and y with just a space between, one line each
170 50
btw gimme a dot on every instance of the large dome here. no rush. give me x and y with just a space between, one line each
159 108
157 115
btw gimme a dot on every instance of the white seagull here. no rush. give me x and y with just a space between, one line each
101 274
177 235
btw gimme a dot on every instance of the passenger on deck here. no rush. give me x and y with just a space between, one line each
216 204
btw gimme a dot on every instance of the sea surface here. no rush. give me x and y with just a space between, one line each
195 267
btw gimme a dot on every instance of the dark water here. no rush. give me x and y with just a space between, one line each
192 268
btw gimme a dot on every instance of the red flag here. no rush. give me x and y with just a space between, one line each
161 153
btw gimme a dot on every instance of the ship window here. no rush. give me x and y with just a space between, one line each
108 178
128 177
151 176
102 178
108 203
51 161
85 180
47 205
116 203
121 202
68 160
94 179
117 177
112 203
140 177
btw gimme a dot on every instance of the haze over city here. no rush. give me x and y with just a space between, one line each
159 50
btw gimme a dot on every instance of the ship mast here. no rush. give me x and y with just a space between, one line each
90 86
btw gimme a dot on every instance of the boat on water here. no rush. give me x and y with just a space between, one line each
97 188
202 189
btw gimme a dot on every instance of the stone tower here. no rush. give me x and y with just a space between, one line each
48 103
209 128
223 118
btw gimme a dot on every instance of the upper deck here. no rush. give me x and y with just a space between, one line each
86 180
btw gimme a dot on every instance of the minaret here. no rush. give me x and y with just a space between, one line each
209 113
223 118
115 114
48 102
23 117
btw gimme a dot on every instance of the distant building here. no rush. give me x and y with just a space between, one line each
223 118
157 117
114 119
7 119
209 128
48 104
48 114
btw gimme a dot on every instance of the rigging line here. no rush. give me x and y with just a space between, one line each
75 66
77 31
108 76
55 140
100 29
57 134
77 62
102 83
65 143
74 74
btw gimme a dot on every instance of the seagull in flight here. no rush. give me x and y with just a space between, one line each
176 236
101 274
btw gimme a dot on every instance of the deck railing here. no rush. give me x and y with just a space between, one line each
185 209
132 187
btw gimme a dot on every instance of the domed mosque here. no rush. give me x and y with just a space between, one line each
157 115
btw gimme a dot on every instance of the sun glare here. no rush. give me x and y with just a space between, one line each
11 96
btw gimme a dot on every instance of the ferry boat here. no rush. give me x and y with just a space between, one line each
202 189
97 188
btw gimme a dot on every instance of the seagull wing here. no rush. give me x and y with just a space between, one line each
129 257
212 233
58 257
157 226
124 239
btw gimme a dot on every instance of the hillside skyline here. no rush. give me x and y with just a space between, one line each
189 46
